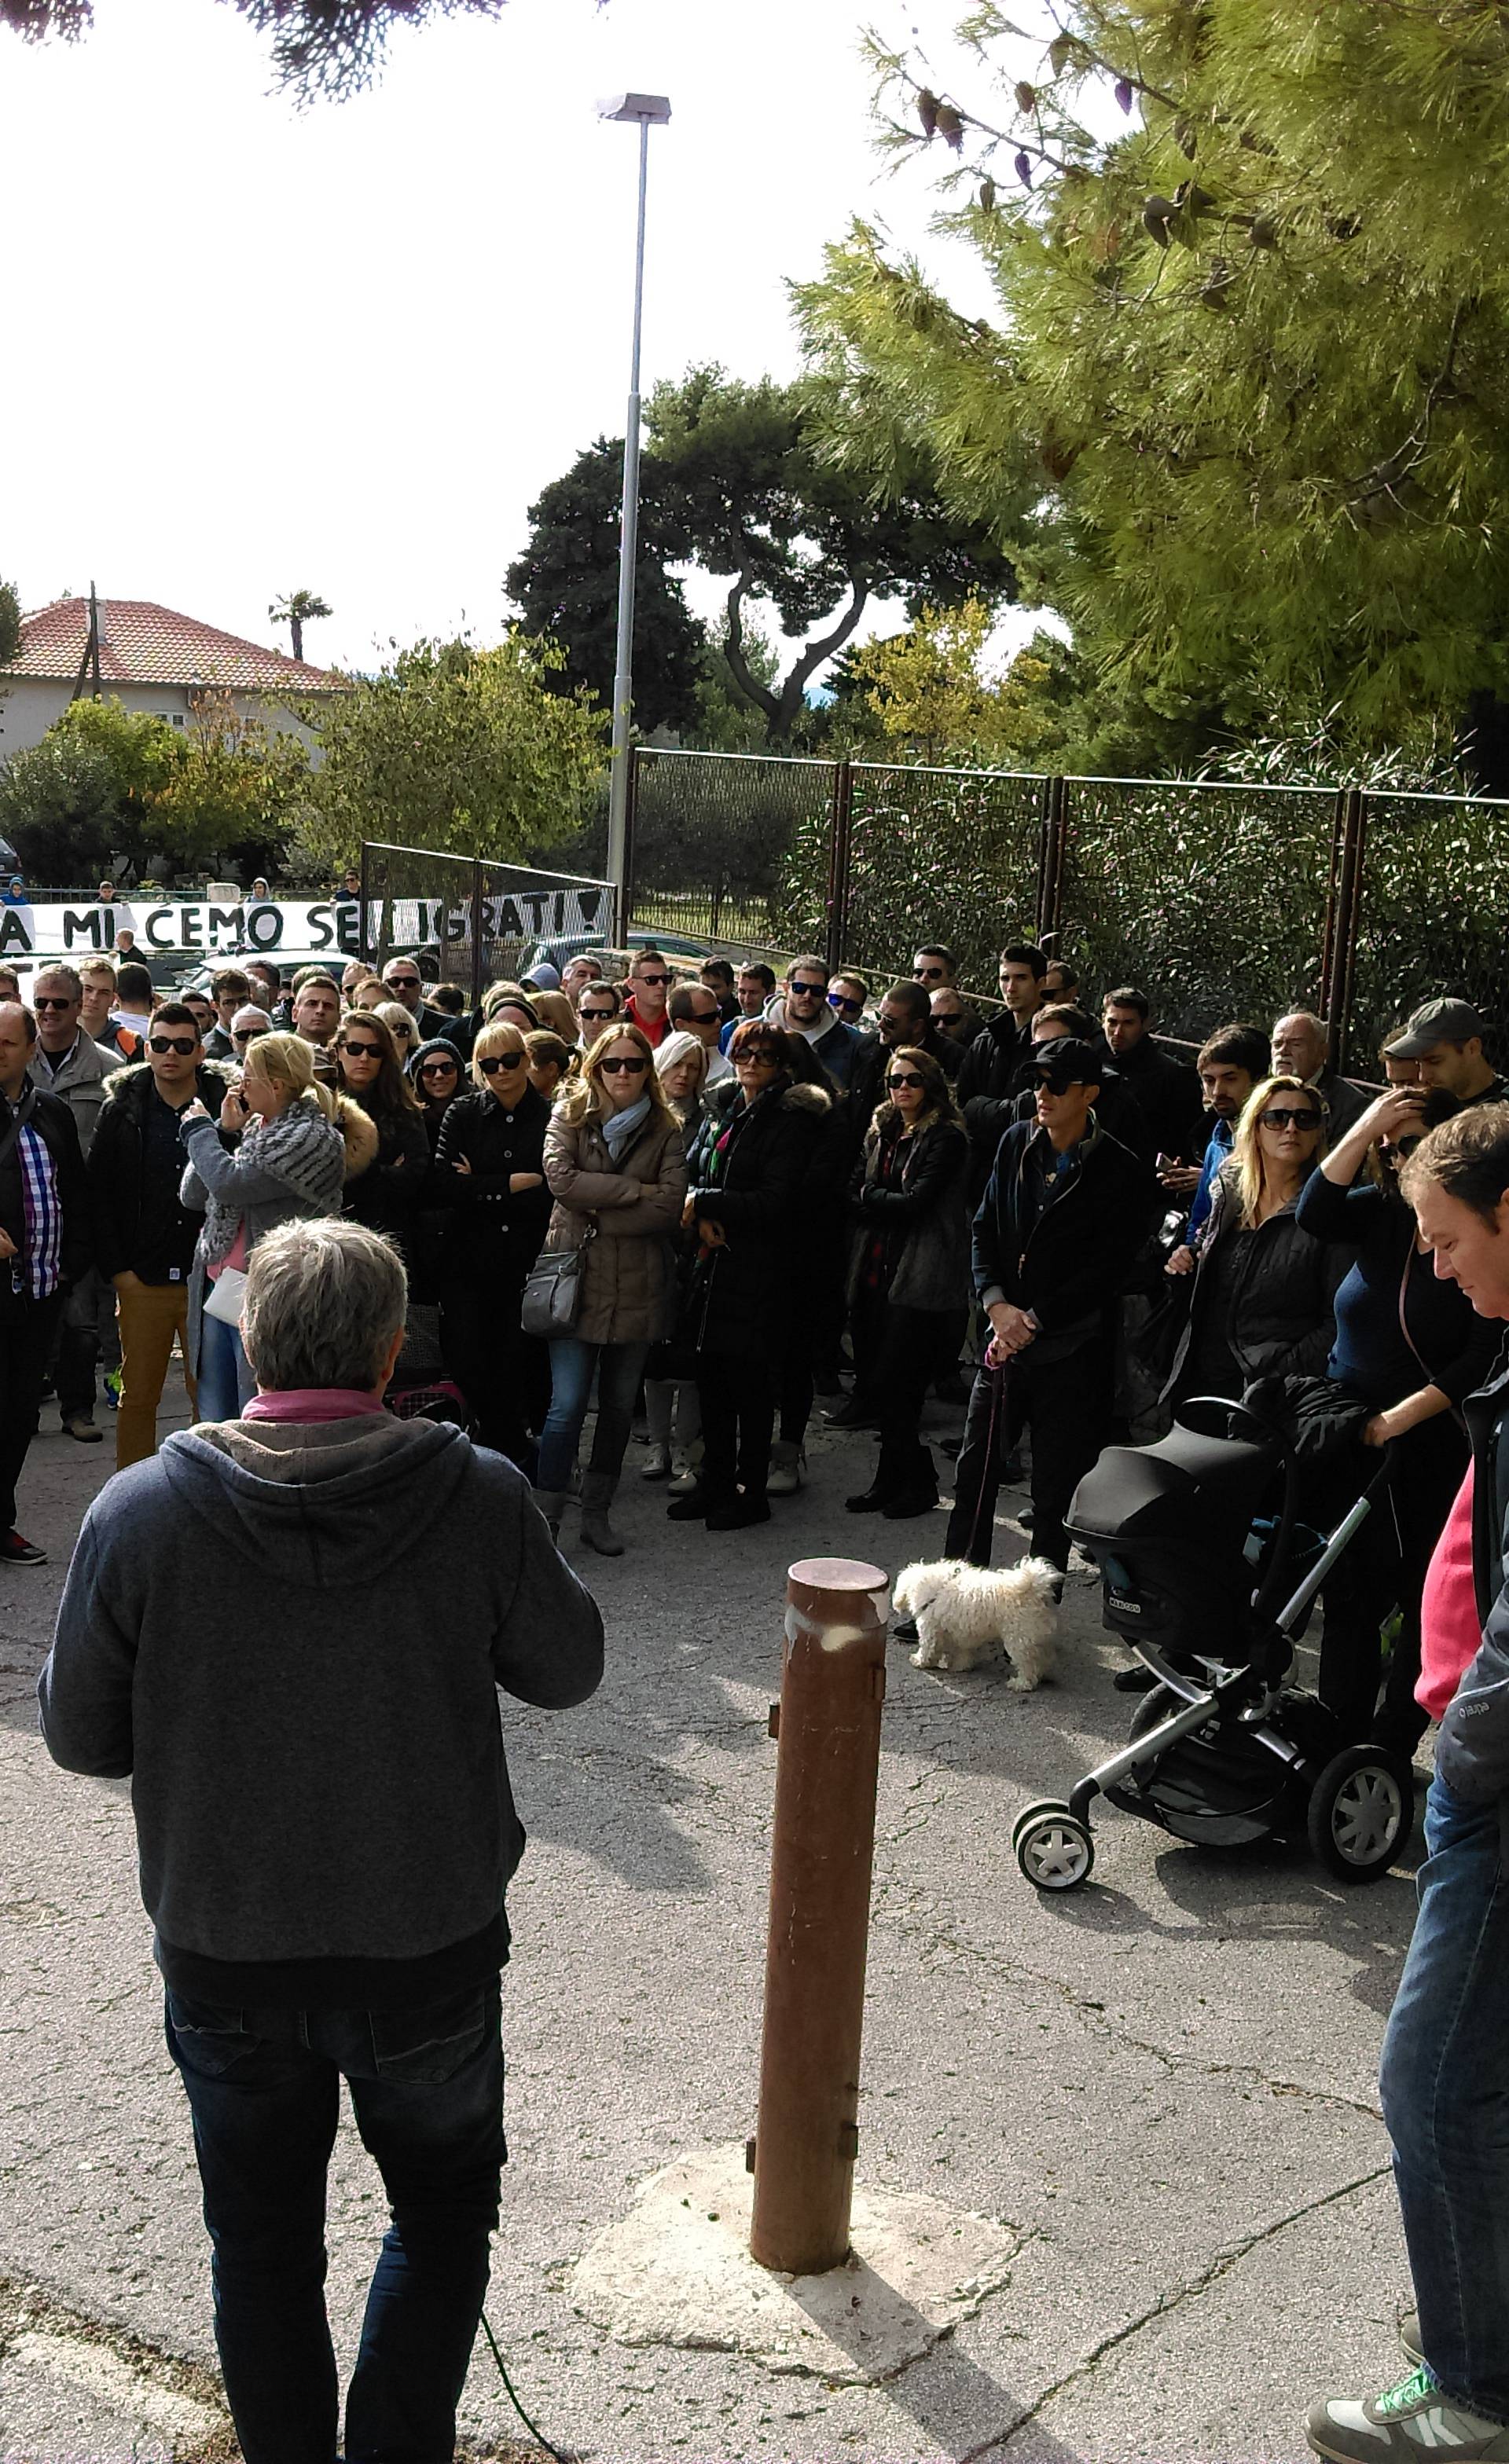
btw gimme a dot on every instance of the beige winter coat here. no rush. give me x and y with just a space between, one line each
634 1209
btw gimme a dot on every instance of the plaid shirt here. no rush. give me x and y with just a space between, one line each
37 1272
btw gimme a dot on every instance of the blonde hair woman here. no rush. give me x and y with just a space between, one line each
489 1180
1261 1304
616 1169
291 1162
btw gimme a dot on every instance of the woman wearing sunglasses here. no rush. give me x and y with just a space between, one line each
1264 1288
749 1208
1408 1344
290 1161
616 1169
910 1261
387 1197
489 1177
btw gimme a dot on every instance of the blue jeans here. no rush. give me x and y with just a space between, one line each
226 1383
264 2089
1445 2082
618 1366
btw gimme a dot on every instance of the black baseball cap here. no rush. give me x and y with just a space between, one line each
1066 1062
1435 1022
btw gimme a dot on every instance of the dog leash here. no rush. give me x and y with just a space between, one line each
998 1395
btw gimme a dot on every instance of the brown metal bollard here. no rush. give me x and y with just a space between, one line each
833 1685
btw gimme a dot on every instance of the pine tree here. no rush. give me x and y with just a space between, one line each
1239 415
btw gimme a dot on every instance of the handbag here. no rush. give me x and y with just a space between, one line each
225 1296
552 1293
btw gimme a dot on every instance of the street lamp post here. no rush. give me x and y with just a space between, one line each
648 109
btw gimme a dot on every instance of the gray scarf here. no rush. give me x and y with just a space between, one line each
618 1127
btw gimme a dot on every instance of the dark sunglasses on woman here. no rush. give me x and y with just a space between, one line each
1279 1116
906 1078
363 1051
495 1061
438 1068
632 1062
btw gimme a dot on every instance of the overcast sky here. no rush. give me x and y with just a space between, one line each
254 349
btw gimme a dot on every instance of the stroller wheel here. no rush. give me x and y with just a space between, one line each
1030 1813
1054 1849
1361 1810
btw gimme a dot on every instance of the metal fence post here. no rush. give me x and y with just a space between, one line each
1051 859
841 817
477 932
1342 912
626 896
828 1723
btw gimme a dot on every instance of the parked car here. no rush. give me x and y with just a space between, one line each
561 948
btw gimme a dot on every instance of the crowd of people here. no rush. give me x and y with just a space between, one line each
724 1192
716 1197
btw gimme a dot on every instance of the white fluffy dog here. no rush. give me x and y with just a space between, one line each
967 1615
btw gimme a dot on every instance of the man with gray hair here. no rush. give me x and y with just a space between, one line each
324 1823
1301 1048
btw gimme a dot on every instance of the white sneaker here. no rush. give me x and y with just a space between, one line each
657 1464
1406 2423
786 1465
684 1471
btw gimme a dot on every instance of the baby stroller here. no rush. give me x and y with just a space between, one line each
1213 1590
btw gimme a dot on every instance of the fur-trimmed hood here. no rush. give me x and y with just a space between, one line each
130 1086
796 1096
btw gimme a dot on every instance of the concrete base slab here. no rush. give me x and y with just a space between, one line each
676 2270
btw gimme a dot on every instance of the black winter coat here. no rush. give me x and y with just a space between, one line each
1168 1094
55 1124
740 1295
494 1234
114 1157
1281 1320
1068 1267
920 1211
387 1197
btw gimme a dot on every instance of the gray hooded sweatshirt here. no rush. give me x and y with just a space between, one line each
289 1637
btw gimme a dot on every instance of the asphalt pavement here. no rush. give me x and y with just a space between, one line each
1164 2084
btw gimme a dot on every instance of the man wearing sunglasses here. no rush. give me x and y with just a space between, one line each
846 996
143 1234
695 1008
406 984
934 965
803 1009
597 1008
647 1006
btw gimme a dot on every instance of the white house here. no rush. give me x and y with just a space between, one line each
150 658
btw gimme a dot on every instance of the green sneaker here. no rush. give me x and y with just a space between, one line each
1406 2423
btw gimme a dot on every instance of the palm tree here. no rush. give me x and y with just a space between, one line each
299 608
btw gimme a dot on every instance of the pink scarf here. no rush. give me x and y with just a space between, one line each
311 1403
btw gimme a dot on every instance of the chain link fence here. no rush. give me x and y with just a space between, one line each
721 846
1213 899
938 855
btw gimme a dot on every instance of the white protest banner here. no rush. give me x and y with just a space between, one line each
209 928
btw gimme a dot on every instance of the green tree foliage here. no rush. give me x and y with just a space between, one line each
449 746
59 808
328 48
10 625
767 506
1239 415
566 587
105 780
296 610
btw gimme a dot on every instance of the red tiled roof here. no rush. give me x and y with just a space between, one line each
141 643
